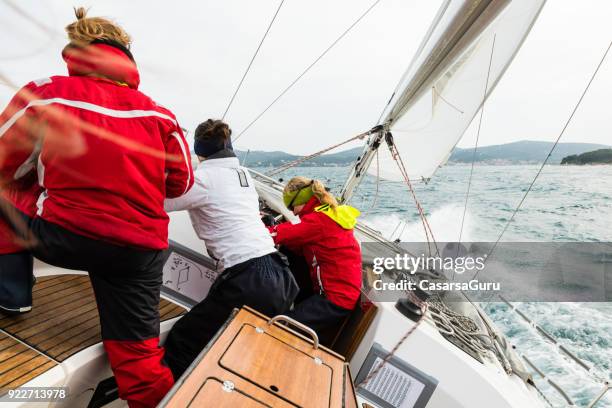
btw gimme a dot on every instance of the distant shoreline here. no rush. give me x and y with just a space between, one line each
449 164
599 156
526 152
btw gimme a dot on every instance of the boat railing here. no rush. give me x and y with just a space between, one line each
264 178
589 369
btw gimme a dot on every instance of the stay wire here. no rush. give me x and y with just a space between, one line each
43 27
516 210
469 186
336 41
426 226
296 162
252 60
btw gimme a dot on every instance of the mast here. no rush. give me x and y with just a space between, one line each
362 163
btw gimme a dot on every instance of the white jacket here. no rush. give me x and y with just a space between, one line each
224 210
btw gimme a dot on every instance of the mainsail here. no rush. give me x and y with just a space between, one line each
463 56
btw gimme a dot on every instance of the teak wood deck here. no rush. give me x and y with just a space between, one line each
63 321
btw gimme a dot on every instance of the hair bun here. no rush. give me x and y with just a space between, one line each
87 29
80 13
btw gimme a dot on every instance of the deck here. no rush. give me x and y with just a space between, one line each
63 321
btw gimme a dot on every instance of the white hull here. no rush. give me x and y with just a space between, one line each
461 380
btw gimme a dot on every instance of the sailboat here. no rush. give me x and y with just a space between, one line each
448 354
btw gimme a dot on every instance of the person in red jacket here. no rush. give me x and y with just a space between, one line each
324 239
107 156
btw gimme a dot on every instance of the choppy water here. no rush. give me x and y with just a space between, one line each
568 203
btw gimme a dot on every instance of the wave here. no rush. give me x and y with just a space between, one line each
445 223
581 327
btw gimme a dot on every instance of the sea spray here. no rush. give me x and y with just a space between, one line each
444 223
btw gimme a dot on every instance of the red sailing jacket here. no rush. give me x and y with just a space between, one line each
332 252
23 195
7 241
106 154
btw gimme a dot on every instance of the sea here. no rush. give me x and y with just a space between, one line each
566 204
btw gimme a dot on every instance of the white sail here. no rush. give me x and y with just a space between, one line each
444 87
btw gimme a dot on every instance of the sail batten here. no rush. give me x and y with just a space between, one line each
446 83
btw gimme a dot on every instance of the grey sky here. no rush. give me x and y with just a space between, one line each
192 54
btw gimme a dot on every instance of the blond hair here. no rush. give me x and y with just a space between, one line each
87 29
318 189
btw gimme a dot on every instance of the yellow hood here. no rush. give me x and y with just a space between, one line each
343 215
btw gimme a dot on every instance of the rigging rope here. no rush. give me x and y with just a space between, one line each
462 328
469 186
423 306
52 34
336 41
448 322
550 338
296 162
400 164
43 27
252 60
516 210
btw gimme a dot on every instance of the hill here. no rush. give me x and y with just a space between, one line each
257 158
526 151
523 152
600 156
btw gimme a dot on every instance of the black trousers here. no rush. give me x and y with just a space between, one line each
313 309
265 284
126 281
127 284
321 315
16 281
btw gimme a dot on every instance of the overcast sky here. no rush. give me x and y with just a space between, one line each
191 55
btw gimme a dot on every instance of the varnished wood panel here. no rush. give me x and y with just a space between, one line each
213 390
273 364
19 364
239 354
64 319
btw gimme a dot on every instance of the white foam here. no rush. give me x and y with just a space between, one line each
445 223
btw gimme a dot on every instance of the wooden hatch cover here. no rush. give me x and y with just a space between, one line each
225 395
262 362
